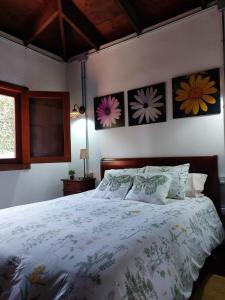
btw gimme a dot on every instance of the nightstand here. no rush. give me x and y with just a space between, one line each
77 185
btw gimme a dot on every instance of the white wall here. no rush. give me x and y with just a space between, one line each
193 44
38 72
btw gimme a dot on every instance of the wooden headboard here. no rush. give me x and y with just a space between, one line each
198 164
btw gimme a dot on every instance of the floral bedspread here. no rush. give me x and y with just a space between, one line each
81 248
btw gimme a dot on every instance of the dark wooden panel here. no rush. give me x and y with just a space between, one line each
75 43
116 28
81 24
198 164
95 21
39 24
49 127
132 15
107 16
17 17
99 11
46 127
154 11
62 28
50 39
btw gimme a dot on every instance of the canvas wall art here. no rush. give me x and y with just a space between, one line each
196 94
147 105
109 111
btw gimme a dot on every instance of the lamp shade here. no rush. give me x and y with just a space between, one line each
74 114
84 154
77 111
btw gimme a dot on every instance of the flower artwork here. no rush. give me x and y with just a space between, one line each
147 105
196 94
109 111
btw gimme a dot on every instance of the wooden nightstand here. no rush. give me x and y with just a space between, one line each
77 185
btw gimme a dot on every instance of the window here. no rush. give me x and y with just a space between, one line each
12 103
8 127
34 127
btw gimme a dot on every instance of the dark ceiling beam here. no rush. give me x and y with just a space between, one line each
134 19
39 25
78 21
203 4
62 29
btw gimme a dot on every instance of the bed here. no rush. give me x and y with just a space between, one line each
79 247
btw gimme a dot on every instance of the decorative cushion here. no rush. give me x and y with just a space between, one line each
151 188
195 184
113 186
179 176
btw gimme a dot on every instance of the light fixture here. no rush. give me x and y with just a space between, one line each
77 111
84 154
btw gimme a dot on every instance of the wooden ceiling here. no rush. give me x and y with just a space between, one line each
70 27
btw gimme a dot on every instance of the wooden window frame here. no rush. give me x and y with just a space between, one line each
66 157
22 158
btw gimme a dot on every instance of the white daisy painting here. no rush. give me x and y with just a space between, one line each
147 105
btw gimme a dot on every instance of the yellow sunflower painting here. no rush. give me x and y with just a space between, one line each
196 94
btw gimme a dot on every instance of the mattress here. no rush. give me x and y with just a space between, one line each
78 247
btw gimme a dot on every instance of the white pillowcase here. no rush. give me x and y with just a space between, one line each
195 184
151 188
179 176
129 171
113 186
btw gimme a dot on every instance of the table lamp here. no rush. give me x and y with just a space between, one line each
84 154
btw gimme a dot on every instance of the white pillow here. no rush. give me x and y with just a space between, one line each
113 186
195 184
151 188
129 171
179 176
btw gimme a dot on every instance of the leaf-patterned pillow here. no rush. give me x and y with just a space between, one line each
179 176
113 186
151 188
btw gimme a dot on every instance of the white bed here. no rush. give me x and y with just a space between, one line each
78 247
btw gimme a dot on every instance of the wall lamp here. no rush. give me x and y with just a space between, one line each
77 111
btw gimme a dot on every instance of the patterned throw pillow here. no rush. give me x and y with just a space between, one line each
179 176
151 188
113 186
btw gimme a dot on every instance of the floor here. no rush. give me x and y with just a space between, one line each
215 264
212 288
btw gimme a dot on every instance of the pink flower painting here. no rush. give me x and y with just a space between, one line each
109 111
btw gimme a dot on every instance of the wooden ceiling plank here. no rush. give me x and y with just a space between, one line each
78 21
129 10
77 29
62 29
203 3
47 17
